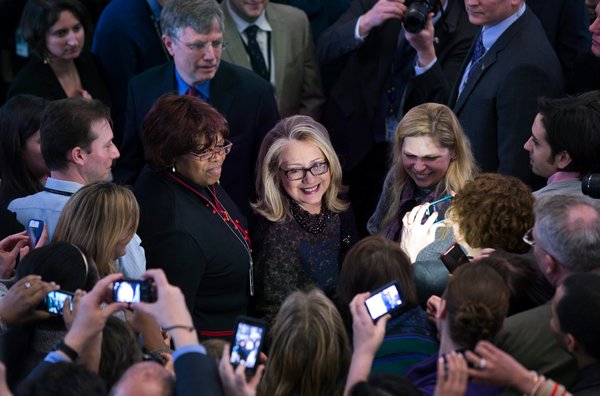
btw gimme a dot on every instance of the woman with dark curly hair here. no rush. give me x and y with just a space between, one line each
491 211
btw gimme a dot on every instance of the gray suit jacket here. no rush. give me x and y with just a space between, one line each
297 79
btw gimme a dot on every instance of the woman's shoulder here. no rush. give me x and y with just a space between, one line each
36 78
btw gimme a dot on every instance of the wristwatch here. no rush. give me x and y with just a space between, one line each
67 350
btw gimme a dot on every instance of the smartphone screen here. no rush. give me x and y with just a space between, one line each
440 206
55 300
454 257
132 291
383 301
247 342
34 232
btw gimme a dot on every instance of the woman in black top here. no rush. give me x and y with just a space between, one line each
189 226
60 65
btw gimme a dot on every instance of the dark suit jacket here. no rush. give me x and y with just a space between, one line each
197 374
243 98
499 102
364 69
126 43
37 78
566 24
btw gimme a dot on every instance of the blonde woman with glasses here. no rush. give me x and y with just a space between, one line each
306 226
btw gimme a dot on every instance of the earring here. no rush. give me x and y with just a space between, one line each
173 168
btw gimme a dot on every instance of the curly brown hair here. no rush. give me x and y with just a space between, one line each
494 211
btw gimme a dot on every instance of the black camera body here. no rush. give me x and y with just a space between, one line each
416 13
590 185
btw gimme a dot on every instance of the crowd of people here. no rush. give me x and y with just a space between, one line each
283 163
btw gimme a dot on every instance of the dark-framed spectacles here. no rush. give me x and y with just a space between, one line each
222 148
528 237
199 47
317 169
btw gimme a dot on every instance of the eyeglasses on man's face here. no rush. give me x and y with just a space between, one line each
223 148
200 47
316 169
528 237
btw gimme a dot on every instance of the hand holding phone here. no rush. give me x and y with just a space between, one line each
454 257
55 300
384 300
440 206
247 342
34 232
133 291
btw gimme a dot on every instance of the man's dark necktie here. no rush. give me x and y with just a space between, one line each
478 53
257 60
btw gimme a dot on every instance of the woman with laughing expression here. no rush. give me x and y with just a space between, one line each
305 227
432 159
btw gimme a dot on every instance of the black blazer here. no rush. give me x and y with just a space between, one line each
363 70
499 102
243 98
37 78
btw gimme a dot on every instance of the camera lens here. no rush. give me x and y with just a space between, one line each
416 16
590 185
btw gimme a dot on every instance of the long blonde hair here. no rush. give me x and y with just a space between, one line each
272 202
95 217
440 123
310 350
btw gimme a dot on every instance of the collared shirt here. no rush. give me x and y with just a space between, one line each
183 87
262 36
47 206
489 37
563 176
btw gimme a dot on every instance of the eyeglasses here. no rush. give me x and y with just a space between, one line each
199 47
222 148
528 237
316 169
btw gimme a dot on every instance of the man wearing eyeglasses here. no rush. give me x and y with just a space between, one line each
193 36
565 240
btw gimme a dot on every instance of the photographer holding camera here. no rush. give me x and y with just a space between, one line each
370 57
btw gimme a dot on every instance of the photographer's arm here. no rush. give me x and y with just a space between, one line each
195 372
367 339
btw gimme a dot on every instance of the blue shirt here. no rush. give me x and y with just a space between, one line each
183 87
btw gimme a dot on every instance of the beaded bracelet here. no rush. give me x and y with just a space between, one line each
188 328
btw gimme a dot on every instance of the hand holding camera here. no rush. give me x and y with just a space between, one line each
379 13
20 302
169 309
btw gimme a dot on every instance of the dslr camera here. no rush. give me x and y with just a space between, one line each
416 13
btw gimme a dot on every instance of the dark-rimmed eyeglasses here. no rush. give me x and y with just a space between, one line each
222 148
528 237
316 169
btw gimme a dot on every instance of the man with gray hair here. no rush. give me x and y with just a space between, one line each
565 240
193 35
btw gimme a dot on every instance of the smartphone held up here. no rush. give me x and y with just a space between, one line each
384 300
247 342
